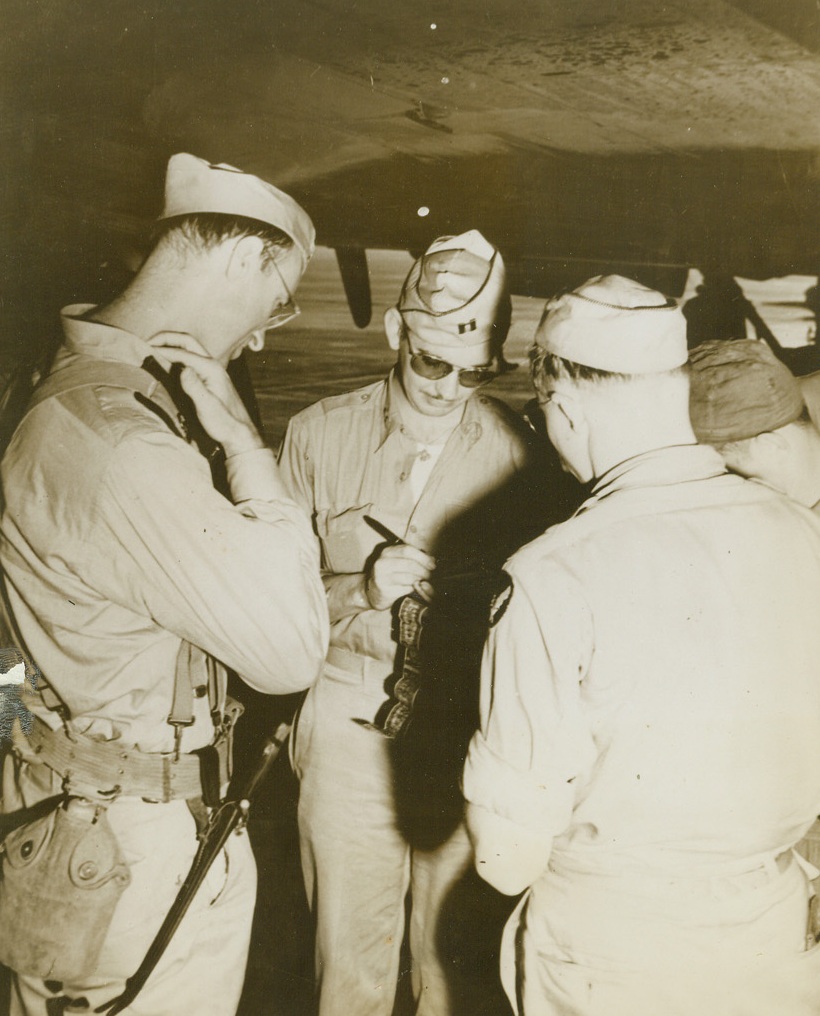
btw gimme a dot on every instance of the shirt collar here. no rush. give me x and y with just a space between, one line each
659 468
393 395
99 341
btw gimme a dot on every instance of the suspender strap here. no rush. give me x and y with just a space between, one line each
182 704
146 771
197 674
88 372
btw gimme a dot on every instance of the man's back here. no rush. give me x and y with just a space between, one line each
650 702
655 711
134 584
698 688
117 538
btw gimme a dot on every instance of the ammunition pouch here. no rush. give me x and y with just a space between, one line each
62 876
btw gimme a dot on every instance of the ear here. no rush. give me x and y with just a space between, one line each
539 383
761 456
571 410
392 327
568 430
772 441
246 255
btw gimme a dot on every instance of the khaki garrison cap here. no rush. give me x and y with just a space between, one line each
193 185
615 324
456 294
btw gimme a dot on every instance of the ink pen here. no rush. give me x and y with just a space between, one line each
393 540
383 531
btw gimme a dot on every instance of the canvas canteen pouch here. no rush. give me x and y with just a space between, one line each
62 876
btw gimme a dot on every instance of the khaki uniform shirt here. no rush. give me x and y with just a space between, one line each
649 692
116 547
347 457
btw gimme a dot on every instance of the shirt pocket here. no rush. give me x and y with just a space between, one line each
347 540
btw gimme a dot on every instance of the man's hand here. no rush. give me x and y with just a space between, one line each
219 407
397 571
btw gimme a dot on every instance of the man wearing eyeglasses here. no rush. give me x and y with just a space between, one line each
391 474
134 584
646 759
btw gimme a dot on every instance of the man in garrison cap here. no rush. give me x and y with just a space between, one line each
646 759
410 456
134 584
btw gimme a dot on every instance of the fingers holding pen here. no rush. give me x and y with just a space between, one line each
395 572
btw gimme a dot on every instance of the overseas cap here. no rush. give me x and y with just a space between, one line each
456 293
739 389
193 185
615 324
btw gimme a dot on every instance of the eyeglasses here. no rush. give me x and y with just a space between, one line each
286 311
433 369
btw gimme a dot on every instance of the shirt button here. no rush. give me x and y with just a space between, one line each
365 398
412 529
402 476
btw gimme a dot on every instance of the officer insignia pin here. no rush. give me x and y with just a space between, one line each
501 600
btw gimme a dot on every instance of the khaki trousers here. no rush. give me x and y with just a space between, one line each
358 866
203 969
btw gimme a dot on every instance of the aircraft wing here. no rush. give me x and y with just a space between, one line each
577 134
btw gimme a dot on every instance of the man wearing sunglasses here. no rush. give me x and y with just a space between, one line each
389 473
134 584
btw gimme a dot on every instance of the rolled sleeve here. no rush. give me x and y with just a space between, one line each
240 581
254 476
259 489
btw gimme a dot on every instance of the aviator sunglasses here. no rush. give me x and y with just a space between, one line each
433 369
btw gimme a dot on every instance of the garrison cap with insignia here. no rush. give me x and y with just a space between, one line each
456 294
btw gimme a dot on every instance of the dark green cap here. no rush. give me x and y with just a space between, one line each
739 389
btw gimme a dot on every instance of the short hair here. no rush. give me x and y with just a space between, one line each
550 365
542 361
206 230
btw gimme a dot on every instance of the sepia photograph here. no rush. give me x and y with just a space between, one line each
410 508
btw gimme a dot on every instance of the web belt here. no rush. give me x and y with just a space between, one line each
115 770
